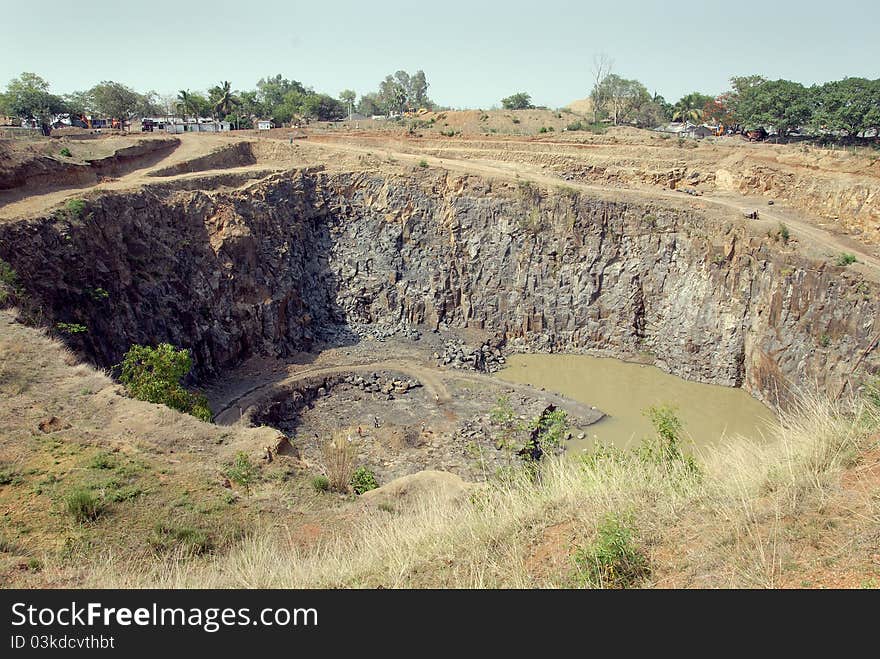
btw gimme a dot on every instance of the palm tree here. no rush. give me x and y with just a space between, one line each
224 100
690 107
184 102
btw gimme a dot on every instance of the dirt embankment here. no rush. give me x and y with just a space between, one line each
47 171
239 154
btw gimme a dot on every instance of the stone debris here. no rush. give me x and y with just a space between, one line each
487 358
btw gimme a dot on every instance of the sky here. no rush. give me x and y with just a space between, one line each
473 53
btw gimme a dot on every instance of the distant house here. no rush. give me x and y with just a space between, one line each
264 124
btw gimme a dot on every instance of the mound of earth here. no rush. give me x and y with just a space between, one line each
408 491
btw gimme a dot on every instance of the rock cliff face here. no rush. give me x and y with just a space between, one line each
305 255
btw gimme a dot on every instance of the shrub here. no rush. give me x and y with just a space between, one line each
545 129
320 483
76 207
363 480
10 476
66 152
665 448
102 460
9 288
503 416
242 472
784 233
596 128
423 163
824 340
83 505
154 374
552 428
189 539
71 328
515 120
846 259
612 559
339 454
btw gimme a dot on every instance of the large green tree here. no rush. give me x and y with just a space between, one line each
623 98
323 107
369 105
848 106
782 105
28 97
115 100
518 101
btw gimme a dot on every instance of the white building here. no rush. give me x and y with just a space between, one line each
200 126
264 124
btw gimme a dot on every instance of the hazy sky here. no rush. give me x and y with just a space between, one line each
473 53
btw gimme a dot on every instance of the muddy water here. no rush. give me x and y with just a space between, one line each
623 390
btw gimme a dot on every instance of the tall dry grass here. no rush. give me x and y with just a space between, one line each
729 510
339 454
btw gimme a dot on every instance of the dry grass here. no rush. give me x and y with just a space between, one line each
730 516
339 454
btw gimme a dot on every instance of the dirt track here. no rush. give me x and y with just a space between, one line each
812 238
822 242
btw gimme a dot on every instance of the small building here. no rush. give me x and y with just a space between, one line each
201 125
264 124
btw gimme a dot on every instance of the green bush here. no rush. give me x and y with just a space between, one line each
363 480
846 259
423 163
665 448
76 207
784 233
83 505
154 374
242 472
320 483
552 428
102 460
597 128
66 152
612 559
71 328
10 476
189 539
8 282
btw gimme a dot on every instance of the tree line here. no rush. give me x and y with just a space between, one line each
284 101
847 107
843 108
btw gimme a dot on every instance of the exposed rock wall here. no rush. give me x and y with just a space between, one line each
269 269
